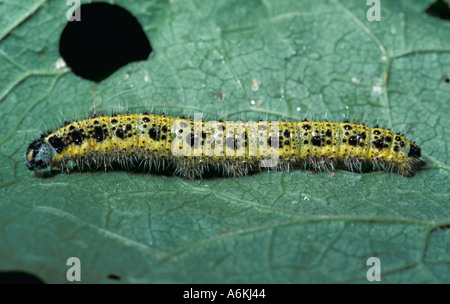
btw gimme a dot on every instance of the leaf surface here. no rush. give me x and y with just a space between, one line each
307 58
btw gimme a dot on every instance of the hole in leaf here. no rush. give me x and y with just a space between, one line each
114 277
439 9
106 38
19 277
219 96
445 79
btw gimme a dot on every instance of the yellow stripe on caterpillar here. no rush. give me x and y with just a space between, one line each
232 147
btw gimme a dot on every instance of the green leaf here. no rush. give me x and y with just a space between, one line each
308 58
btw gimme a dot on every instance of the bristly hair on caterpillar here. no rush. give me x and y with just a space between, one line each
235 148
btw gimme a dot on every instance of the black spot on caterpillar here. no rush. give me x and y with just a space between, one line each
235 148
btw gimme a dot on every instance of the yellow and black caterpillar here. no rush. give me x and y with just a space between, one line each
234 148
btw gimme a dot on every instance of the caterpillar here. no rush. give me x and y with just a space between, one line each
234 148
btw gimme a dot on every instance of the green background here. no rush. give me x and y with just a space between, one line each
310 58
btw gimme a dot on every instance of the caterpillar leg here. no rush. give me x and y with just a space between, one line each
237 167
189 168
406 169
353 164
320 164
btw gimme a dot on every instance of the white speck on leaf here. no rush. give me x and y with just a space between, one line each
60 63
377 90
355 80
255 85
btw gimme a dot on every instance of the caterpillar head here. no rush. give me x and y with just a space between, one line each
414 151
38 155
409 158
